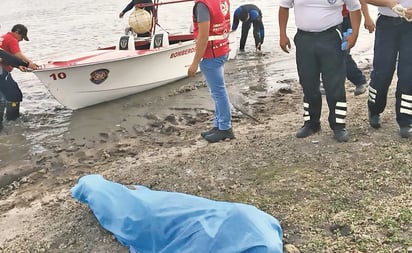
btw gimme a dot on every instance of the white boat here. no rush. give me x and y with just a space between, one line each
113 72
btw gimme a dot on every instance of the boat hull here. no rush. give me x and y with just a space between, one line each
103 75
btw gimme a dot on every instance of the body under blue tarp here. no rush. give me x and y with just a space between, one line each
149 221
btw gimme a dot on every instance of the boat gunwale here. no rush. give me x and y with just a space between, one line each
136 54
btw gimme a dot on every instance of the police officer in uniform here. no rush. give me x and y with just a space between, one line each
392 50
319 55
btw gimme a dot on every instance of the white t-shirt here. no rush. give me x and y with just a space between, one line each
388 11
319 15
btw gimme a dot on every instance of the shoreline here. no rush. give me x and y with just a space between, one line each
328 196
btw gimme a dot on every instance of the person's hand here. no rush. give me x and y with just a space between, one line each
284 44
408 14
23 68
121 14
403 12
192 69
399 9
351 39
369 24
33 65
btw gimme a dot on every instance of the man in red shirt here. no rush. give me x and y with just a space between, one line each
9 42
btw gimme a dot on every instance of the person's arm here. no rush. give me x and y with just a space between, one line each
235 23
387 3
369 24
126 9
355 20
11 60
395 6
203 19
283 18
408 13
31 65
261 31
22 56
201 44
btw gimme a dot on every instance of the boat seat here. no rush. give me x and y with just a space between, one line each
159 40
126 42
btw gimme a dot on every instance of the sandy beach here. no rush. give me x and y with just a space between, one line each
328 196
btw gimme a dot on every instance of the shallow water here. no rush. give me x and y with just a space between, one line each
59 28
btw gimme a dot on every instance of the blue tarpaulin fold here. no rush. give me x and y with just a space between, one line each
149 221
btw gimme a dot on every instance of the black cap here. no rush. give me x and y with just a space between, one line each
22 30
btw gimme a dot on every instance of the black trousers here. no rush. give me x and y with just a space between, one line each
257 27
318 55
392 51
10 96
353 73
9 88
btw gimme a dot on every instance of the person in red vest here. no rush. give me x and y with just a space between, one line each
211 27
9 42
353 73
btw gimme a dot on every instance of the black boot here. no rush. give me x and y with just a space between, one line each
12 110
211 131
220 135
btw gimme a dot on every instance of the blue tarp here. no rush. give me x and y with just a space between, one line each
149 221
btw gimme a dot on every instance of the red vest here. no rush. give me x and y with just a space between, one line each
218 44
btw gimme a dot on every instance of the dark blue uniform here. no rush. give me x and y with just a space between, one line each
392 50
353 73
9 90
249 14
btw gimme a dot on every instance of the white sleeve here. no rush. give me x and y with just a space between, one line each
286 3
352 5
